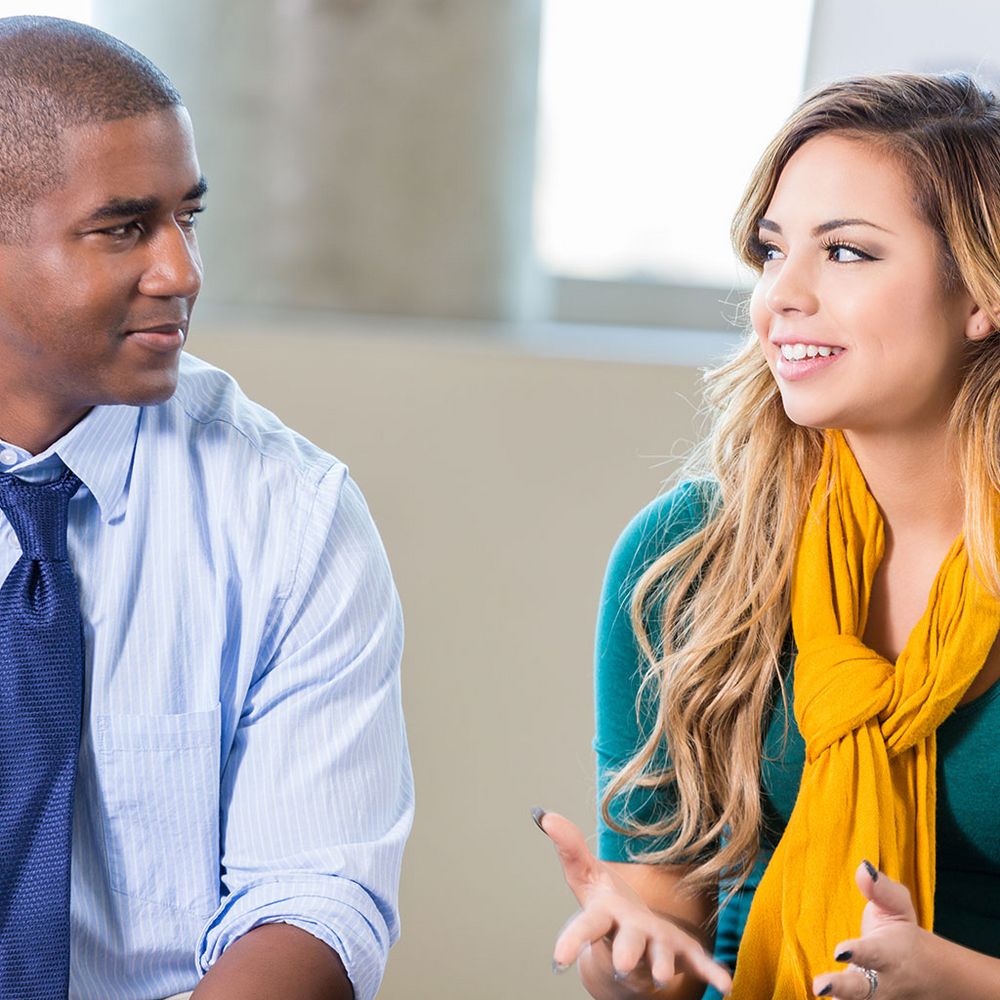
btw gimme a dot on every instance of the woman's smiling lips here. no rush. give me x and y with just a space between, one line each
792 362
166 337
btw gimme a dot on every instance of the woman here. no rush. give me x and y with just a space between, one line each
809 664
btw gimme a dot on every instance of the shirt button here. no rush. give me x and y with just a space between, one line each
8 456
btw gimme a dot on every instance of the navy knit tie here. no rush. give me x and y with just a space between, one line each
41 698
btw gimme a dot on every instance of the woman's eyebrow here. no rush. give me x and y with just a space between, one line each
825 227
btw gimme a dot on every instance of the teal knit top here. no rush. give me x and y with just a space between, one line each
967 903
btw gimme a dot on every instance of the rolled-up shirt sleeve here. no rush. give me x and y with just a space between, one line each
317 789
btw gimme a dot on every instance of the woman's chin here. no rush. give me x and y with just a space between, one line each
820 420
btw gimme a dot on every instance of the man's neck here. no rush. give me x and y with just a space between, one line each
35 425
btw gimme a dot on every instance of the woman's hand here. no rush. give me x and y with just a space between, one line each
633 951
892 944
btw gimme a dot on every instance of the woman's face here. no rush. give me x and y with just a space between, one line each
851 310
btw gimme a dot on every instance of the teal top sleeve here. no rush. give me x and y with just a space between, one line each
622 721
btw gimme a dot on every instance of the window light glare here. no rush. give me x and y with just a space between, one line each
652 116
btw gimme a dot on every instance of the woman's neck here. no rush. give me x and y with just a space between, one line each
915 481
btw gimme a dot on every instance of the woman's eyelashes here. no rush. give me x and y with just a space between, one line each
851 253
761 251
837 251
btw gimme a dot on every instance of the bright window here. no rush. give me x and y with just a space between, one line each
652 116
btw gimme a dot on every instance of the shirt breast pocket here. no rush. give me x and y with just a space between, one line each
160 795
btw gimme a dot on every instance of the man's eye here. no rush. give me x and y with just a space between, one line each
124 231
189 219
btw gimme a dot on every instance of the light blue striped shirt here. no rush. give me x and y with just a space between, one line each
243 758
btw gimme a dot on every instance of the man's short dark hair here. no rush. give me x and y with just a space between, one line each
55 74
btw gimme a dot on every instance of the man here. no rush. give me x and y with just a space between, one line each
222 752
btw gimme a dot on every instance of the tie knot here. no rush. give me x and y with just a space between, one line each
37 512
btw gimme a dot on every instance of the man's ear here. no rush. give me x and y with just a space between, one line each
979 325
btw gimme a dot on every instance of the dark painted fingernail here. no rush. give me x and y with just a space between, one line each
843 956
871 869
558 967
826 991
619 977
536 814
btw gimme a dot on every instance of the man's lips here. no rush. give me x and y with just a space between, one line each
164 337
161 328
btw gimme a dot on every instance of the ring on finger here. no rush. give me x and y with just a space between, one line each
871 975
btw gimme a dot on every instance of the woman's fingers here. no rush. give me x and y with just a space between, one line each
586 926
627 950
579 866
704 966
851 984
667 950
635 936
611 909
867 952
892 898
662 965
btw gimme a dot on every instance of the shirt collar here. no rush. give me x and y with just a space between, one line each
99 450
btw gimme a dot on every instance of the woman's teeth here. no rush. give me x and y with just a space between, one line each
796 352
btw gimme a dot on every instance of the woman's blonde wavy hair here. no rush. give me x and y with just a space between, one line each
722 595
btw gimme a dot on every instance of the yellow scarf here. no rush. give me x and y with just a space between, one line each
869 783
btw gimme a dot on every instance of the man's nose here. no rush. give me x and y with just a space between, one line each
174 268
792 288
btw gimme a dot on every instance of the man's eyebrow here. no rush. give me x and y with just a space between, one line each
119 208
198 191
826 227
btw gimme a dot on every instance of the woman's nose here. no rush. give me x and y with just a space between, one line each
792 288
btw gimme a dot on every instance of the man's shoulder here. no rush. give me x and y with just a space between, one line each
210 415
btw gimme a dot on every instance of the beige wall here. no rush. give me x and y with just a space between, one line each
499 481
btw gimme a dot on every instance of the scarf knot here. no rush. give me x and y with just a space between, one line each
827 669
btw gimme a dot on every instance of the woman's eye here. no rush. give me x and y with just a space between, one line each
844 253
765 252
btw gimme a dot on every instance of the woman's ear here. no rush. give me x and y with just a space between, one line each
979 325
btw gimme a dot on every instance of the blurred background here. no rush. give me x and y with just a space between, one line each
478 249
